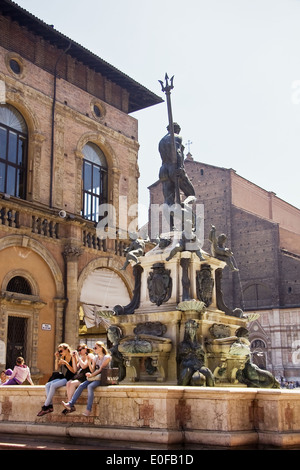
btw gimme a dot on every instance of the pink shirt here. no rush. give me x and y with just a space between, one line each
21 373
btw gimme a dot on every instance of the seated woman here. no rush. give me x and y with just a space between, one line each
99 362
64 362
82 356
20 373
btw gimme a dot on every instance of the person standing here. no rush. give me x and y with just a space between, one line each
99 362
66 364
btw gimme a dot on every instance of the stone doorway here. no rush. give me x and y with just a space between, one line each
16 340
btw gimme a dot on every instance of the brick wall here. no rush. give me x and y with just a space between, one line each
17 38
267 276
114 132
23 246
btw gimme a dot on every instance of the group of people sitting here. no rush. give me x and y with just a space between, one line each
77 370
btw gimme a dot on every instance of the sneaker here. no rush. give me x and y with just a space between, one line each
86 413
45 410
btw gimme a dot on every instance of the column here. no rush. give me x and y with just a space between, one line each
59 305
71 254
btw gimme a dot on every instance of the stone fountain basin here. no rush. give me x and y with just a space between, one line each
144 344
225 345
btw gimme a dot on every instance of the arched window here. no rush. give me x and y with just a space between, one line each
94 176
13 152
20 285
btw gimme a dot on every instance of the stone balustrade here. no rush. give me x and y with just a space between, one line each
91 240
45 226
9 217
23 215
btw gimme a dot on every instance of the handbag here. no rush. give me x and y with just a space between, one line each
94 377
56 375
80 375
110 376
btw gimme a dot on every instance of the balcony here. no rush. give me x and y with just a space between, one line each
18 215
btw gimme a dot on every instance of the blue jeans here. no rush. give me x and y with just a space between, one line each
51 389
90 386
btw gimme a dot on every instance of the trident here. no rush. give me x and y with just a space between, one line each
166 88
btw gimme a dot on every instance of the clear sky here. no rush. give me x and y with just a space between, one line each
236 67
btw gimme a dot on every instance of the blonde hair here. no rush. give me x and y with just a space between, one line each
64 346
85 346
102 345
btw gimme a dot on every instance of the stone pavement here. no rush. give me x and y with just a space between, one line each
23 442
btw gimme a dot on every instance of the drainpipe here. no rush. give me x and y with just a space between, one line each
52 125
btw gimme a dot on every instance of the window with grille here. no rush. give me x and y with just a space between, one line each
20 285
94 177
13 152
16 340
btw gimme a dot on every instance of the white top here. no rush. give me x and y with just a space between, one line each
21 373
99 361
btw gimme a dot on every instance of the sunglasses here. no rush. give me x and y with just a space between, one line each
80 349
60 351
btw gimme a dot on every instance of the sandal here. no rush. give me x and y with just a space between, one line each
68 408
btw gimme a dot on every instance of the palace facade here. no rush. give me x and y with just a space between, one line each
68 146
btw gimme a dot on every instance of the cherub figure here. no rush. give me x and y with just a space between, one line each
134 251
219 250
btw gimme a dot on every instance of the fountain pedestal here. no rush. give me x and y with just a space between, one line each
172 294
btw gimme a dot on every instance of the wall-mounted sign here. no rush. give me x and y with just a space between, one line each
46 326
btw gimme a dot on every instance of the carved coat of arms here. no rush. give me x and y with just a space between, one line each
159 284
204 284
